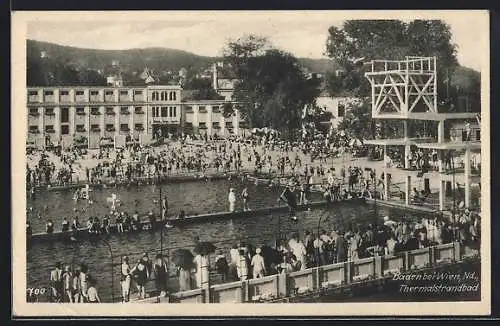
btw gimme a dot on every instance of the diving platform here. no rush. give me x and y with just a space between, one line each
427 116
404 89
451 145
407 90
396 141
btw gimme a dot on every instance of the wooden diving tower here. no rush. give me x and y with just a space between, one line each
407 90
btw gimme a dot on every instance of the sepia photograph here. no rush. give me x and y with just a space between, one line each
259 160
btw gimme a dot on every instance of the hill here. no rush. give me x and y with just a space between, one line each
53 64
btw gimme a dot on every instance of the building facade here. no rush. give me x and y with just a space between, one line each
93 116
336 106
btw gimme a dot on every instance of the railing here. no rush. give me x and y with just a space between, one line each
327 277
410 64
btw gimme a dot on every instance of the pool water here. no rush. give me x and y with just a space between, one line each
223 233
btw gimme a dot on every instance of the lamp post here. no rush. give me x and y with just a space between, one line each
453 218
375 193
319 224
161 223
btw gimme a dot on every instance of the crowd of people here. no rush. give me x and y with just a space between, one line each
259 153
245 261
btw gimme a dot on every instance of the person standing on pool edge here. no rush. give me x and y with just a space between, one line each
232 199
164 208
244 195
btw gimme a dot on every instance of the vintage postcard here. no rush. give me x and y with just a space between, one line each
165 163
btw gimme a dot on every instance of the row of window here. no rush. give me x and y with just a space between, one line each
164 111
111 127
163 96
215 125
81 111
80 93
157 111
108 95
81 128
203 109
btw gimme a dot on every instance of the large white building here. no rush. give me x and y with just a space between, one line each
93 116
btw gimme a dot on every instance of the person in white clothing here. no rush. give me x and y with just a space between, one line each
234 256
331 179
125 279
232 199
201 263
242 267
258 266
300 252
92 295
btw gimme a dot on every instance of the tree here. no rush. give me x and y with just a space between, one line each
358 121
92 78
201 89
272 90
227 110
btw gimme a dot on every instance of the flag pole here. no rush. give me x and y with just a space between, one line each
161 223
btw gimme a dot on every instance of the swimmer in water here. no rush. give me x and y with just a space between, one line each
76 195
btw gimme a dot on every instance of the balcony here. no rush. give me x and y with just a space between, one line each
139 111
139 128
462 134
33 98
124 112
80 112
109 97
110 129
49 98
65 98
50 113
110 112
50 131
80 129
95 98
95 129
34 113
95 112
124 97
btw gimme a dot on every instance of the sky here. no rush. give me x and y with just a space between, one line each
302 33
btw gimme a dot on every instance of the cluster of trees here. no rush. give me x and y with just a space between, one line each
272 89
200 89
55 73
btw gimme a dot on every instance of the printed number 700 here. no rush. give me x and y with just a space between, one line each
36 291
